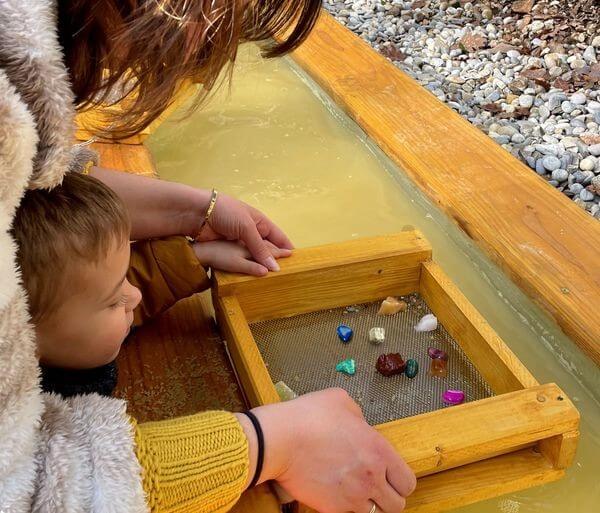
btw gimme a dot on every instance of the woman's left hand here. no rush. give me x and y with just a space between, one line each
235 220
234 257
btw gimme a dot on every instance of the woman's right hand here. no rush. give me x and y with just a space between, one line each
322 452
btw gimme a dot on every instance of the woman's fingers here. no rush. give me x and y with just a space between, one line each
258 247
270 231
388 500
400 476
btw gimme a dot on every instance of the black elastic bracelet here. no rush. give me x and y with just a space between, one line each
261 447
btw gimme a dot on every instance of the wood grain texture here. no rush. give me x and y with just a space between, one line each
478 430
478 481
250 367
547 244
494 360
130 158
560 449
328 276
176 365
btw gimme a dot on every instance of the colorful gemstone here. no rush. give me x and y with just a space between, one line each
453 397
376 336
392 305
345 333
428 322
390 364
434 352
412 368
285 393
438 368
346 366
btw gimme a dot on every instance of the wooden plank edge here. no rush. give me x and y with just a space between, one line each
478 481
348 69
481 480
249 364
451 437
333 255
499 366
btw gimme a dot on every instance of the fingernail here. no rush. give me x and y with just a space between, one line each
271 264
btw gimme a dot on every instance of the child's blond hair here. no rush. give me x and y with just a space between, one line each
79 220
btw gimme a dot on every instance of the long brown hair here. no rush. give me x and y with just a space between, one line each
141 51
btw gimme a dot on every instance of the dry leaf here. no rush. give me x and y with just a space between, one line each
559 83
492 107
538 75
391 52
522 6
471 42
503 48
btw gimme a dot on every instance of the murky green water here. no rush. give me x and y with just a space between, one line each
276 142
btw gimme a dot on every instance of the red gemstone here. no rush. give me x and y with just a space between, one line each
390 364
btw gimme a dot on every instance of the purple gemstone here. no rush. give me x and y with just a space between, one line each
434 352
453 397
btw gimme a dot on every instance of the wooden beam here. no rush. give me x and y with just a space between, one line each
494 360
547 244
249 365
447 438
327 276
478 481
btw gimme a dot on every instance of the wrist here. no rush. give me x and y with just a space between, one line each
194 205
279 440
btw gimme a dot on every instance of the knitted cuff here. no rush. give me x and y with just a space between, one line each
197 463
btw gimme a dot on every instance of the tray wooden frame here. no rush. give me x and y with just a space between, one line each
523 436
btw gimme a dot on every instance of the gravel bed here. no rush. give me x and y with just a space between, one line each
526 72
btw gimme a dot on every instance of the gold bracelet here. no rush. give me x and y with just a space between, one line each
209 211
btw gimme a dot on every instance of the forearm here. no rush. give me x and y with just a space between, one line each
157 208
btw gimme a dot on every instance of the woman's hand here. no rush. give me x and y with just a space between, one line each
322 452
234 257
235 220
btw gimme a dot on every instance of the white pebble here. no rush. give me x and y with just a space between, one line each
560 175
551 163
526 100
587 164
376 335
594 149
578 98
428 322
586 195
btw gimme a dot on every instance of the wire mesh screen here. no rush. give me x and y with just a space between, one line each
303 351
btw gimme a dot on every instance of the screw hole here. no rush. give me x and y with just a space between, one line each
560 398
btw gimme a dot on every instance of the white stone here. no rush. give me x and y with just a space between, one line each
526 100
587 164
428 322
551 163
377 335
594 149
578 98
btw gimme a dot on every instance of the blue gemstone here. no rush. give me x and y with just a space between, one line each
344 332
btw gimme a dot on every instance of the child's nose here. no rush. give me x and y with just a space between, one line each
135 296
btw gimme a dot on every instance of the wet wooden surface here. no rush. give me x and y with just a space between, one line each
546 244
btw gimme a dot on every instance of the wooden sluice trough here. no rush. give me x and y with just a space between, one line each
525 434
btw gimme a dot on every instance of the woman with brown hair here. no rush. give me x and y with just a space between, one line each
83 453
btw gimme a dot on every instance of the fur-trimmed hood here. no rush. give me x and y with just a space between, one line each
55 455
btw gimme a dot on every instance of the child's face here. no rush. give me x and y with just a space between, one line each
89 326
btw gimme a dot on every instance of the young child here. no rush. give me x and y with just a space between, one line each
74 254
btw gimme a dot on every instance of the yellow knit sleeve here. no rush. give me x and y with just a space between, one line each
197 463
